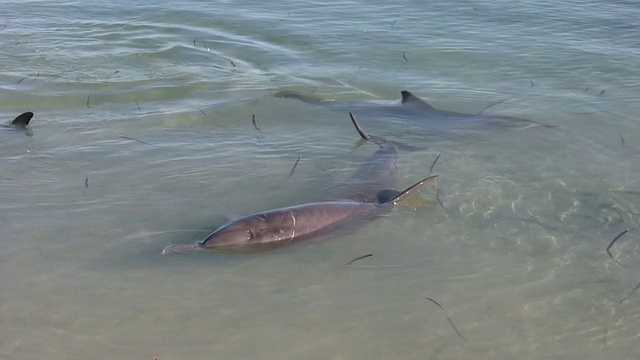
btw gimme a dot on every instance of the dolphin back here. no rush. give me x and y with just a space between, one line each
282 226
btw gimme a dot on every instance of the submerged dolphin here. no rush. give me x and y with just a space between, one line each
369 193
412 107
378 174
283 226
20 122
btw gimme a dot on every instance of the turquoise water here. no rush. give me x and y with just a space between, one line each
517 258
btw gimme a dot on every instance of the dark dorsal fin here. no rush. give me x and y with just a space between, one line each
382 142
401 195
365 136
23 119
409 99
359 129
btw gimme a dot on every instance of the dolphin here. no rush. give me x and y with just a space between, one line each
20 122
366 195
273 228
411 107
378 174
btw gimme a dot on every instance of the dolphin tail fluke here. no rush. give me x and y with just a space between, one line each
23 119
403 194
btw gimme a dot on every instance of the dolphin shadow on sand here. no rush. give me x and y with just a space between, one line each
349 206
412 108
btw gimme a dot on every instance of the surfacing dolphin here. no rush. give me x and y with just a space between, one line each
269 229
21 122
411 107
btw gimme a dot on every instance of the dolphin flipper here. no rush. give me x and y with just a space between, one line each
387 194
404 193
22 120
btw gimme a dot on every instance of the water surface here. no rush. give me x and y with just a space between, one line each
517 258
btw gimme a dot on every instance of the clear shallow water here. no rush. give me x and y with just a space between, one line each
517 259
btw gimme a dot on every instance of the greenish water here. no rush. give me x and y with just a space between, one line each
517 259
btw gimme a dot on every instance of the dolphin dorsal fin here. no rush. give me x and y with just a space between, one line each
365 136
409 99
23 119
359 129
401 195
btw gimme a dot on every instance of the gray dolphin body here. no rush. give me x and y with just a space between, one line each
368 194
375 178
21 122
411 107
284 226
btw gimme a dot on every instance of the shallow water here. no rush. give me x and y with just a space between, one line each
517 258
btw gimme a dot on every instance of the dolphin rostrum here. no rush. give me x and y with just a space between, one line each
412 107
283 226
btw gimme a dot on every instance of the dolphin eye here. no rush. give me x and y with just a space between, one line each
251 236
